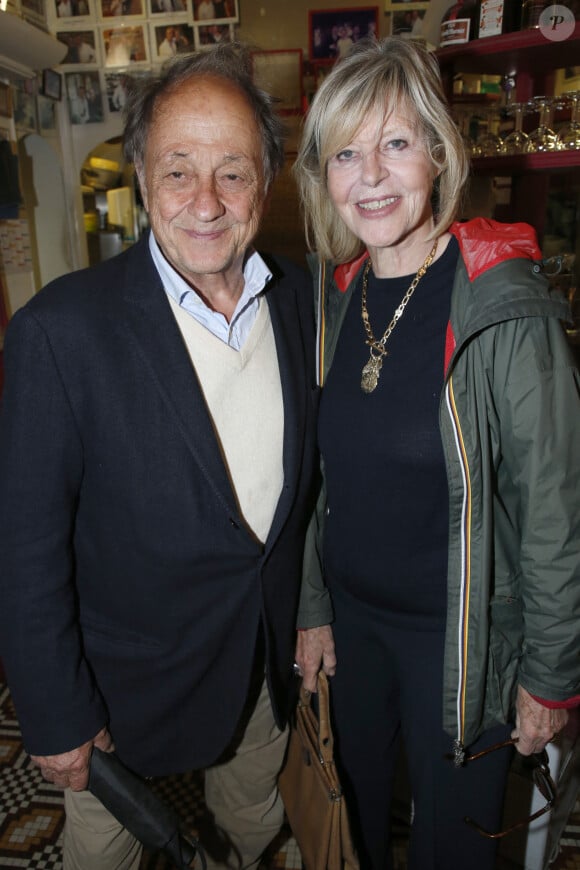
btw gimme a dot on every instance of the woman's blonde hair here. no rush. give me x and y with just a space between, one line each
393 74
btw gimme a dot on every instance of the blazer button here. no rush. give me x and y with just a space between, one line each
327 512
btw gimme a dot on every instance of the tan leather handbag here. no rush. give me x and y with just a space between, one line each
311 790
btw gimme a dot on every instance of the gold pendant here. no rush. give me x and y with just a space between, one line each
370 373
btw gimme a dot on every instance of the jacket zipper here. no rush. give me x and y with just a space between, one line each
465 585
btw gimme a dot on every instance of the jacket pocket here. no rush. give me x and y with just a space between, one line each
108 636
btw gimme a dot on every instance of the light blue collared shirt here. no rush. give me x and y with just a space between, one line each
234 333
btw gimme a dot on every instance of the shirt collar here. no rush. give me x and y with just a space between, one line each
256 276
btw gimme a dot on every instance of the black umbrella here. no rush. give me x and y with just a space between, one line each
137 807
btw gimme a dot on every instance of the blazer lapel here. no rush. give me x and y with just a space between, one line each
161 347
289 346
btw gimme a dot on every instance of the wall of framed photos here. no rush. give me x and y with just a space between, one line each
108 40
78 105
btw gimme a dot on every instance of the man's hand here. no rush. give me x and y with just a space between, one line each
315 649
71 769
536 725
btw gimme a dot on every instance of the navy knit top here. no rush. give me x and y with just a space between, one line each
386 528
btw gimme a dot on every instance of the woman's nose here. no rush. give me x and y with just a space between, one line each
373 168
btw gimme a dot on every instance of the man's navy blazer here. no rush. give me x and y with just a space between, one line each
131 590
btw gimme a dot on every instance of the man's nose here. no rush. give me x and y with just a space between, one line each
205 201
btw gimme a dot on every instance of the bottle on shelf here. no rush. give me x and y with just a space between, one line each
499 16
532 9
460 23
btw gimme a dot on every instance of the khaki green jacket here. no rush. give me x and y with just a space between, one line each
510 426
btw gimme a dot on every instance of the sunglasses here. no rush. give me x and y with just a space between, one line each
542 780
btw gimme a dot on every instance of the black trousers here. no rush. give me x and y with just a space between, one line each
388 686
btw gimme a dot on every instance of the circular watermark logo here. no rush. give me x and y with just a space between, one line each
557 22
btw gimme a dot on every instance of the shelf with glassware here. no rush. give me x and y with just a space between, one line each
525 146
526 63
514 164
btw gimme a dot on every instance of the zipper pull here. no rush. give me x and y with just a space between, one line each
458 753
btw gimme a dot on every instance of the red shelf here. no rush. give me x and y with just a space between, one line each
513 164
523 51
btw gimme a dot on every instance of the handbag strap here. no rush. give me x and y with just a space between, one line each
325 736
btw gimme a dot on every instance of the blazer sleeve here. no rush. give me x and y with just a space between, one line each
41 467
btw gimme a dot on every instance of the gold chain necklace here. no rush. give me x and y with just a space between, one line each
372 370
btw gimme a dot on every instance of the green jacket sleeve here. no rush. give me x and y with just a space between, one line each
537 389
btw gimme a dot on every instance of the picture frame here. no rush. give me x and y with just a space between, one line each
5 100
207 35
279 72
170 38
116 87
46 109
331 32
408 22
51 84
110 10
207 11
84 96
164 8
34 11
72 10
82 47
400 5
124 46
24 106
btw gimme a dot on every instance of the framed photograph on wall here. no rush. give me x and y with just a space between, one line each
215 10
120 8
171 38
5 101
34 11
84 95
24 105
77 10
51 84
82 47
212 34
46 114
116 87
124 46
280 74
399 5
331 32
169 7
408 23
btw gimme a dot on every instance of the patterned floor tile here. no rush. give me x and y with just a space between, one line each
31 814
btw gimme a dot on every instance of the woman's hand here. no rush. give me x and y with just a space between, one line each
536 725
315 650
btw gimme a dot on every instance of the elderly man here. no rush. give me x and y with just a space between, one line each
157 456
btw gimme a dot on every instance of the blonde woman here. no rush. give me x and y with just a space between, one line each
445 546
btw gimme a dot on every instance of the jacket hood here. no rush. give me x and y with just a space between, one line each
500 277
484 243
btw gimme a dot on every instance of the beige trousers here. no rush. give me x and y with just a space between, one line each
241 796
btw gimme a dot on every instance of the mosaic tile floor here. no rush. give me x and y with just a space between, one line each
31 816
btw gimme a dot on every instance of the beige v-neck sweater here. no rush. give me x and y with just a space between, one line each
243 394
